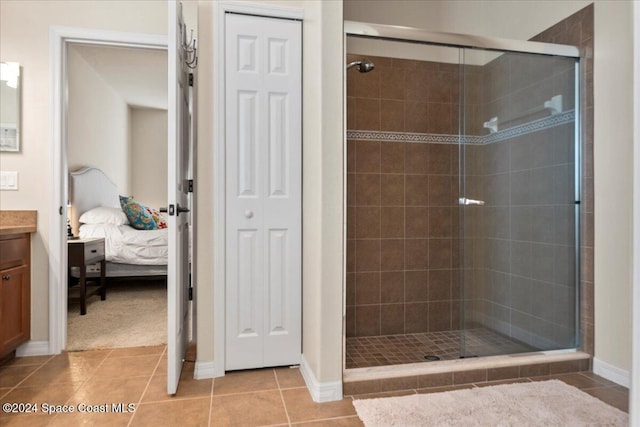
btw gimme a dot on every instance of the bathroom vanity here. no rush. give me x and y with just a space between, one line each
15 282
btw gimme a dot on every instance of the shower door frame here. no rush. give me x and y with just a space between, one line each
463 41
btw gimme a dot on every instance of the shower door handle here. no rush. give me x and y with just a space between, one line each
466 202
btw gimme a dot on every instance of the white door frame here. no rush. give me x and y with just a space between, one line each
59 39
219 192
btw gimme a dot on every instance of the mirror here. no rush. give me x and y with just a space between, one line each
9 106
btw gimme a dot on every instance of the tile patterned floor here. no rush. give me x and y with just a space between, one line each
385 350
250 398
138 376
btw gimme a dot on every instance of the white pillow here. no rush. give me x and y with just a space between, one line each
104 215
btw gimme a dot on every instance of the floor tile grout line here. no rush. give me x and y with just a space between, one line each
595 380
33 372
147 386
213 380
610 388
293 388
284 404
173 399
82 383
160 359
6 393
326 419
248 392
10 389
93 374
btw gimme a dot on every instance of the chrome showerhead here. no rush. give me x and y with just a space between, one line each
364 65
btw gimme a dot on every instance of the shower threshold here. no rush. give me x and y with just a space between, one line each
414 376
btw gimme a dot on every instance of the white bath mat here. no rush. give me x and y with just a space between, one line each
543 403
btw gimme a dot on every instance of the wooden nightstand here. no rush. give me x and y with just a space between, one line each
83 252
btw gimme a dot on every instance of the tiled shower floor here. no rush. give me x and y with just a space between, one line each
363 352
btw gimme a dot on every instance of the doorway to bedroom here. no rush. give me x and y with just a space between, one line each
116 153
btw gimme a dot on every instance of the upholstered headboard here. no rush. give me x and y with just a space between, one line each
88 189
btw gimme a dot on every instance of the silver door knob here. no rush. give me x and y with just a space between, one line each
464 201
248 213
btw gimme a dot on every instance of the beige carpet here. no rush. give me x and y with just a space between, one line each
134 314
544 403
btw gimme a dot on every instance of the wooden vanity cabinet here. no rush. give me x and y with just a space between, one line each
15 291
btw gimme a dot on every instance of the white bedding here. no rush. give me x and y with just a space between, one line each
126 245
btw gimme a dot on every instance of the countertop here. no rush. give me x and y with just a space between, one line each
16 222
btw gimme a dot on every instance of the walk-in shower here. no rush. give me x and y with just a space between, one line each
463 197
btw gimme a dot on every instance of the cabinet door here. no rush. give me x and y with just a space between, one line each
14 303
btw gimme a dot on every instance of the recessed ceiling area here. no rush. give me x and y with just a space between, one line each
138 76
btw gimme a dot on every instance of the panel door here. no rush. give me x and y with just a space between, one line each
178 222
263 191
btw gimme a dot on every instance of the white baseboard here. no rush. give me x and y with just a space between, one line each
204 370
33 348
320 392
612 373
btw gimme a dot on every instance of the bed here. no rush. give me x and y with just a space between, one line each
128 252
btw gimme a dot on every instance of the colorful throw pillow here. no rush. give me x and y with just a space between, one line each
158 217
138 216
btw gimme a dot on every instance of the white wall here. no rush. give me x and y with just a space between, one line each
97 124
613 127
634 397
613 182
204 184
149 156
24 38
518 20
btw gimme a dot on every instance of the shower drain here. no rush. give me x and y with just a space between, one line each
431 357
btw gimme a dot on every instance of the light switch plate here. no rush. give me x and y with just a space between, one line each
8 180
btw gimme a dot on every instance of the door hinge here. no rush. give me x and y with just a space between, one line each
190 294
190 79
189 186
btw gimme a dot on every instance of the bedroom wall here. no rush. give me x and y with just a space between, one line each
24 38
98 124
149 156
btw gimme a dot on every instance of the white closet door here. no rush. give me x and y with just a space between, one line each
263 64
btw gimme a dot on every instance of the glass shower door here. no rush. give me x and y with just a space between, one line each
518 203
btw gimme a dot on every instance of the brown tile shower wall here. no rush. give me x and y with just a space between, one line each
402 251
402 98
578 30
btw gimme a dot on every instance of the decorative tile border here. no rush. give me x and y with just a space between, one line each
422 138
434 138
